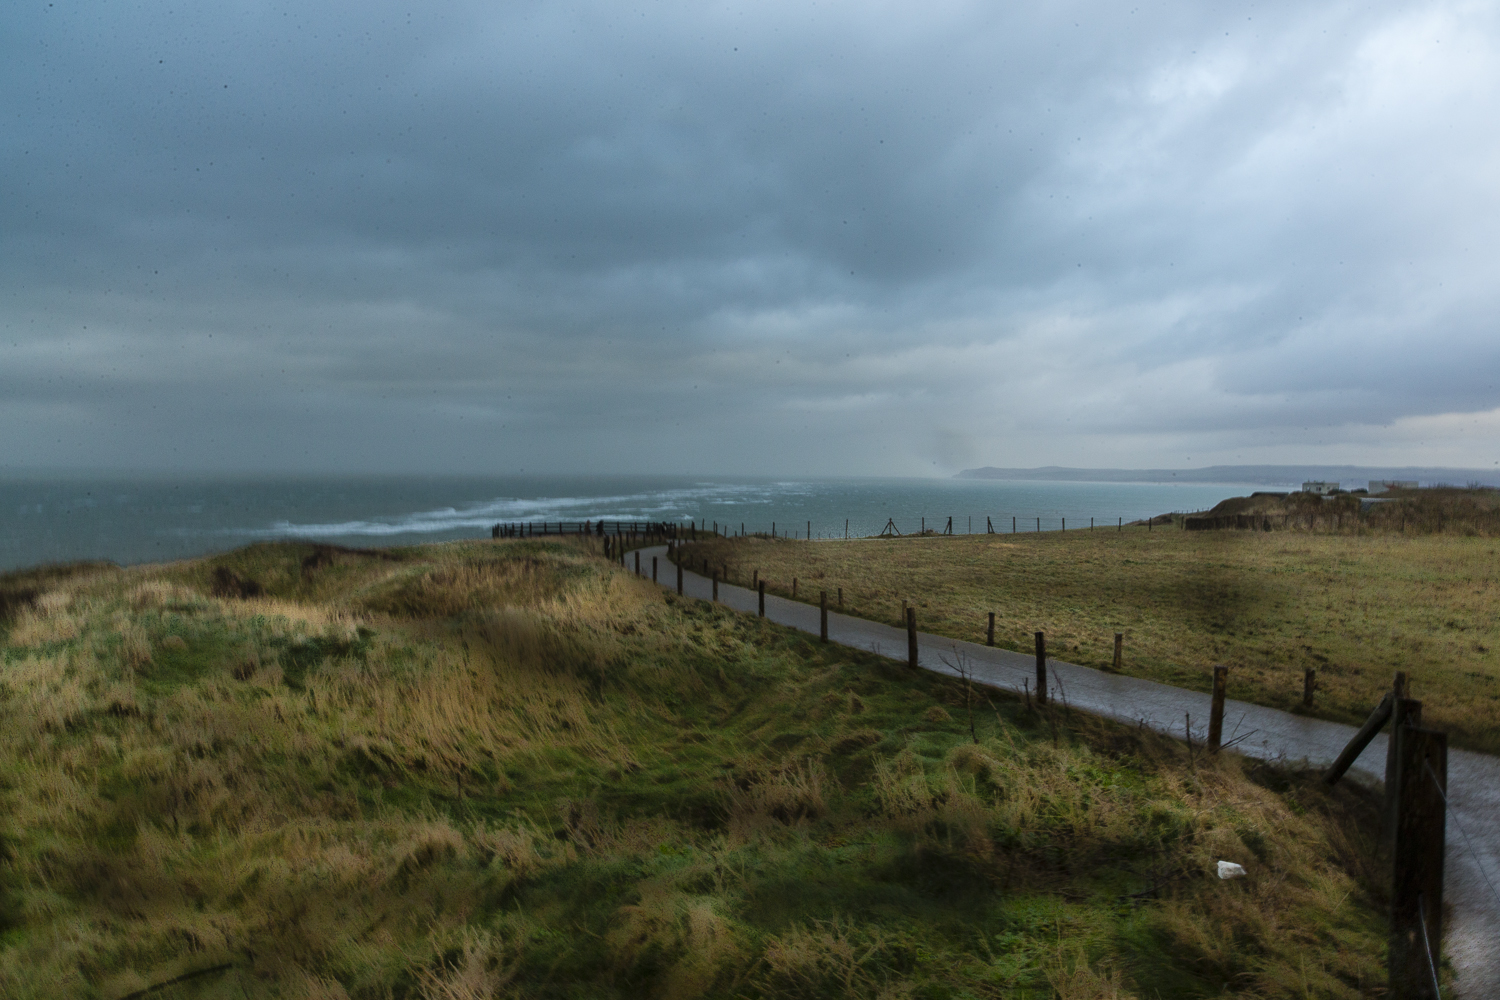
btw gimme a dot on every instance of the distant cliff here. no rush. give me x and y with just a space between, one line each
1254 475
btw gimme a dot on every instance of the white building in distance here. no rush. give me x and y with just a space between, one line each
1322 489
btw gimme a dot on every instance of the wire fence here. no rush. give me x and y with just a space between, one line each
1453 815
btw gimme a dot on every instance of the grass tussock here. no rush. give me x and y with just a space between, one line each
1354 606
489 770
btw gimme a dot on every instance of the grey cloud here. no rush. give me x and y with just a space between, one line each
613 225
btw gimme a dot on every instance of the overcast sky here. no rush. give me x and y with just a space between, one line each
779 238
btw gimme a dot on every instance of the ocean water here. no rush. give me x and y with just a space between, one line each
136 520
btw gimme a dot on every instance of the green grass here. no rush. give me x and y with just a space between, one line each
481 770
1354 606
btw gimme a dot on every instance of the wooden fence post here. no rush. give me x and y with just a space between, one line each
1041 668
1119 651
653 569
679 579
716 586
1405 713
841 598
1216 709
794 588
1309 685
637 562
823 615
760 586
1417 875
989 636
911 637
1398 690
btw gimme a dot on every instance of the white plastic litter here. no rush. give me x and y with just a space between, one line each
1228 869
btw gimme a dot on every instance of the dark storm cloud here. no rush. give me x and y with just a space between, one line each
769 237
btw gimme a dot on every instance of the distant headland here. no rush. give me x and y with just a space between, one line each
1262 475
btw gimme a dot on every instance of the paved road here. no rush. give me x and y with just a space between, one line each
1472 942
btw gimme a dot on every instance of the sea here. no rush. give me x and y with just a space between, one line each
125 519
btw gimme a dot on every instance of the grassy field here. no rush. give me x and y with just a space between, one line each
510 769
1357 607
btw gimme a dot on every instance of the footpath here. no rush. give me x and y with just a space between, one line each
1472 940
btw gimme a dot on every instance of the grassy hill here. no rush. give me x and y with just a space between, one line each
492 769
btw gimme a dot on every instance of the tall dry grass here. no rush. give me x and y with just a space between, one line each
447 778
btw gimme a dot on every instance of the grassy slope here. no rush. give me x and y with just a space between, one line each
473 770
1355 607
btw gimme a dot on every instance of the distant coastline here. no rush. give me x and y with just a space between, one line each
1262 475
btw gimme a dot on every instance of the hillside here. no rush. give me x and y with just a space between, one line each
493 769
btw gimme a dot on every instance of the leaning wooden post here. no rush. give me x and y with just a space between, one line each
1309 685
1041 668
1361 740
637 562
1417 876
679 579
1216 710
653 569
989 635
1119 651
823 615
760 586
